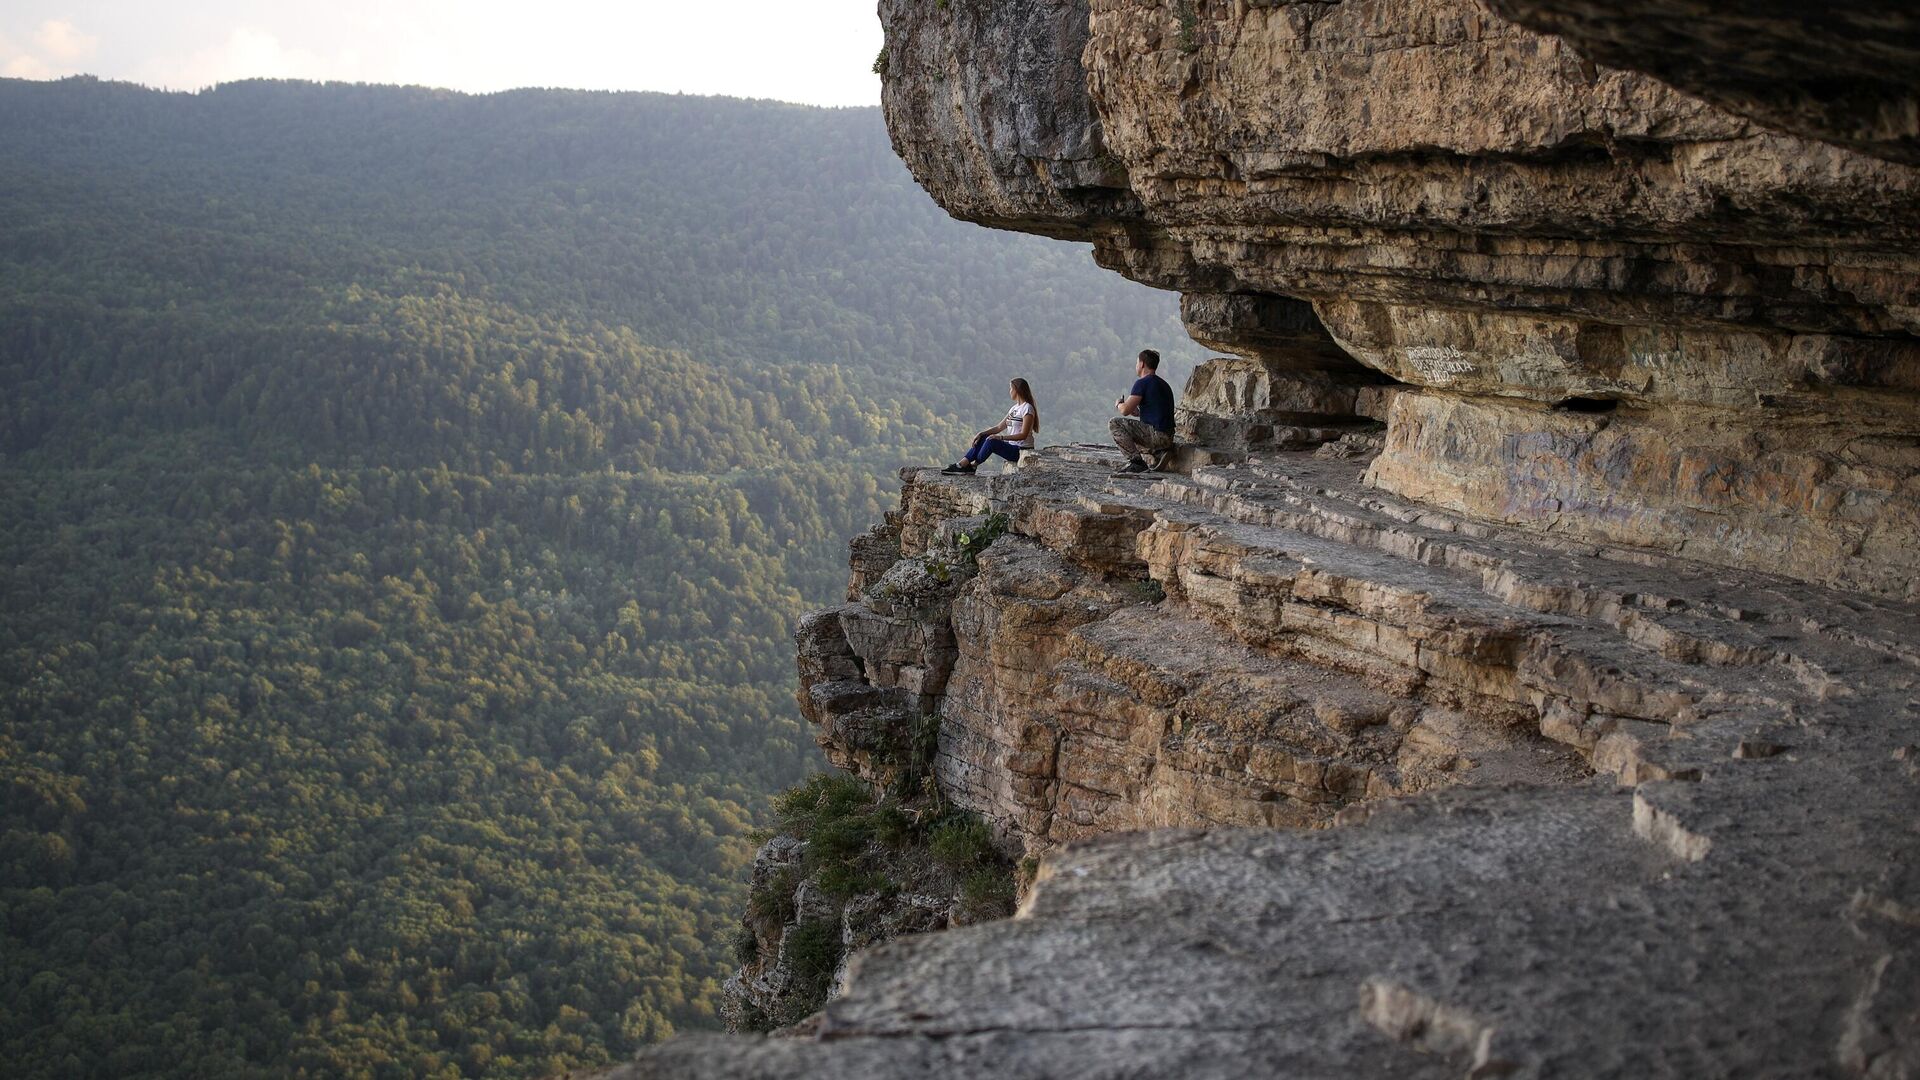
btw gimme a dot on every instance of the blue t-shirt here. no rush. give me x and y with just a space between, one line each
1156 401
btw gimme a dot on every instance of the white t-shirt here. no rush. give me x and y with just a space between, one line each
1016 416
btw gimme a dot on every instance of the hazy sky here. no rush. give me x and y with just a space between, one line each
815 51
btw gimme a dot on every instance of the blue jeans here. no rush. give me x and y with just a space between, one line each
978 454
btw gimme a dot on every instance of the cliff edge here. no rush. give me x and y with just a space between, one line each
1621 312
1519 675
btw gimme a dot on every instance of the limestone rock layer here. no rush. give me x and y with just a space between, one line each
1517 670
1434 796
1846 73
1420 191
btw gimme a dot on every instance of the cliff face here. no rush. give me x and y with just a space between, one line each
1191 651
1521 664
1848 74
1544 808
1417 189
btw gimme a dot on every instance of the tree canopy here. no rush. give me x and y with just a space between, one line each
405 499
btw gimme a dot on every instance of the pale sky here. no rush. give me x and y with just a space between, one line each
819 52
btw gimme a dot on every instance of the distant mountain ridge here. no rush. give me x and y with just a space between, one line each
741 231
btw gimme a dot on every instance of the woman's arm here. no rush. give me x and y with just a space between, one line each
989 433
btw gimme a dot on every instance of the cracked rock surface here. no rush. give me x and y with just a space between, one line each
1620 311
1731 895
1517 673
1846 73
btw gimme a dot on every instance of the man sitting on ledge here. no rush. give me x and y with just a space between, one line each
1145 424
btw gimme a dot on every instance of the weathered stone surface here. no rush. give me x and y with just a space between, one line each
1237 404
1072 705
1829 500
1287 646
1002 116
997 747
929 500
1481 932
1379 151
859 724
762 985
1423 189
1573 682
870 555
1424 152
1847 73
1320 643
1284 333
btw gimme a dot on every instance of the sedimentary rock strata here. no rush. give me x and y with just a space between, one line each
1518 672
1421 191
1846 73
1659 825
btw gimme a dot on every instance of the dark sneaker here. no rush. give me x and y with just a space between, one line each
1134 466
955 469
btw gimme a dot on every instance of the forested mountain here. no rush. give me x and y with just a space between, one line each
405 498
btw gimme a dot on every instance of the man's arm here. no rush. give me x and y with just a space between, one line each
1129 405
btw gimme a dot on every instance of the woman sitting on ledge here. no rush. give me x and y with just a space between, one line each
1007 438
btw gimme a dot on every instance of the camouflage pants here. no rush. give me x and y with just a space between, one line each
1138 439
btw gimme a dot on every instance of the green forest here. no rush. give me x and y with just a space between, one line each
405 501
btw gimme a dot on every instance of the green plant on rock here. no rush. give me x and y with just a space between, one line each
839 819
754 1019
837 854
972 543
986 893
847 879
1189 38
746 946
813 951
862 843
772 901
962 843
880 64
892 826
821 797
914 776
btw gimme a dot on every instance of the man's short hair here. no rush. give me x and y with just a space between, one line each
1151 359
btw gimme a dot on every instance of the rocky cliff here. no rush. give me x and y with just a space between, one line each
1848 74
1520 670
1621 313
